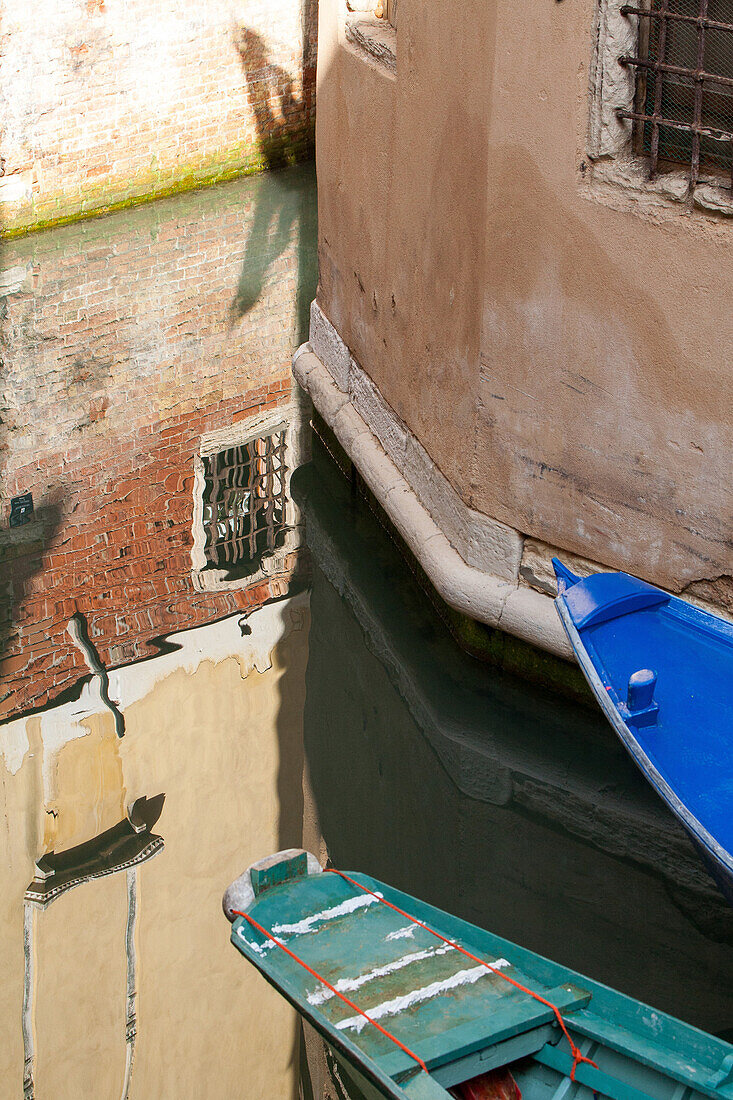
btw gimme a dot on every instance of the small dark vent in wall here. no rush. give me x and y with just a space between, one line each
21 510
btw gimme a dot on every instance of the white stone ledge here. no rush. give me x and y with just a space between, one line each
375 38
481 541
495 600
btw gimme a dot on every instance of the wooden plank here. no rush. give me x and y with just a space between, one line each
423 1087
494 1026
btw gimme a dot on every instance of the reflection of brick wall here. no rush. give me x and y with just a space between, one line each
101 100
128 339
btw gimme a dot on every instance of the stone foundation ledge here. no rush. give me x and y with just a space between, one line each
472 560
480 567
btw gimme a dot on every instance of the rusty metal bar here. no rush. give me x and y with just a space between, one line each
658 83
655 13
698 75
697 119
688 127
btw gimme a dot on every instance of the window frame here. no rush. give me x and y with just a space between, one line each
614 149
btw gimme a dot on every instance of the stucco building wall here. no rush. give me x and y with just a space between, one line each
103 101
557 343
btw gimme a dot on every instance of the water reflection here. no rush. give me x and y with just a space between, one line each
154 626
153 638
515 809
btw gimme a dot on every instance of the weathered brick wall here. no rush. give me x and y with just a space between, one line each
102 101
125 339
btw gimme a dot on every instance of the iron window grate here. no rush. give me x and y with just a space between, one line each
245 503
684 83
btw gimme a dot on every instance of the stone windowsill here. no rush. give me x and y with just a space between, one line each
628 174
375 38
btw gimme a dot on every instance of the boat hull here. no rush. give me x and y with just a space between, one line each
414 1002
662 672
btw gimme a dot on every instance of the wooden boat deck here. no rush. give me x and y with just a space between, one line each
455 1015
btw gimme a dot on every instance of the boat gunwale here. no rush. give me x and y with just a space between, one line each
701 1058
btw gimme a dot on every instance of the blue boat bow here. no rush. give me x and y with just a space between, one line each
662 671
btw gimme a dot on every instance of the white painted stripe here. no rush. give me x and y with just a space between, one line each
417 996
348 985
403 933
341 910
259 948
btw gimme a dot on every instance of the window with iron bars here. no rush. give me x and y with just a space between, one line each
683 107
244 504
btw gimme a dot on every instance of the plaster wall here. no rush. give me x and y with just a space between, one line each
559 347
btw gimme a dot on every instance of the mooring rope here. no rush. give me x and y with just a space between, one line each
578 1055
393 1038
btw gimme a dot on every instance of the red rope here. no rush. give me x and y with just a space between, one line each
333 989
578 1056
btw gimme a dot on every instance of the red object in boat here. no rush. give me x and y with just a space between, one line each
498 1084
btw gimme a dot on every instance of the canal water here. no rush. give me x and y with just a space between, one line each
211 649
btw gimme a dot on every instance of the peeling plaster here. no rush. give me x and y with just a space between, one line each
213 642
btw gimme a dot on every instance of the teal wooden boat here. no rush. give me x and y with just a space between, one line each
419 1005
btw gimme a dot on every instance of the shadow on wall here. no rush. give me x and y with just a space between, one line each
269 84
21 558
277 109
282 204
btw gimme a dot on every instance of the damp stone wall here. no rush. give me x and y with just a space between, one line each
109 102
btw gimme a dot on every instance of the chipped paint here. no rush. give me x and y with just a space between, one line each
214 642
342 910
347 985
418 996
403 933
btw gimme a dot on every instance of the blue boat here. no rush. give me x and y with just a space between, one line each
419 1005
662 671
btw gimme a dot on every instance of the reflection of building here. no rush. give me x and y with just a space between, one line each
216 722
125 360
123 847
492 798
136 350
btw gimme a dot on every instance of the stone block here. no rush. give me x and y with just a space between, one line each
374 410
329 347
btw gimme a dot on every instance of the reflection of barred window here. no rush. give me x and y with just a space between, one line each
245 503
684 82
246 526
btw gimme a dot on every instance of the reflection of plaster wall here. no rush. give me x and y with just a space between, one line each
216 726
544 824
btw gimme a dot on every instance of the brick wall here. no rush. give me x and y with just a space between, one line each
106 100
126 339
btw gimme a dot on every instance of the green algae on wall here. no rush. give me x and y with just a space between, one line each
242 159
